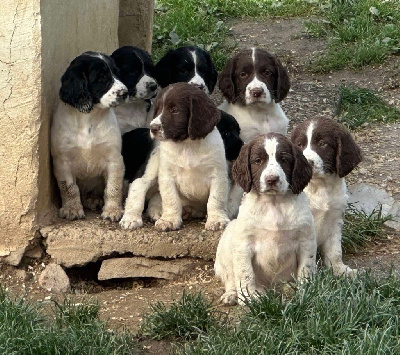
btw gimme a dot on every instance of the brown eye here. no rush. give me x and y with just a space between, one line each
267 72
322 144
243 75
257 161
300 145
174 110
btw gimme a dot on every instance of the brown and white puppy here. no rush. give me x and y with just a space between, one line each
253 83
273 237
192 170
333 154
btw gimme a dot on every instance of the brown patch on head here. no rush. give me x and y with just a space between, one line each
332 142
240 70
253 160
187 112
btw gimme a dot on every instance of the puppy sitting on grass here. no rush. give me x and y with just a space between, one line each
273 237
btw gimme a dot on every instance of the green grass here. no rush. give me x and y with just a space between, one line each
359 32
326 315
185 318
358 106
361 229
69 329
204 23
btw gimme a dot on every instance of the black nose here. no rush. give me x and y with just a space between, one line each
311 162
272 180
200 86
256 92
153 86
154 128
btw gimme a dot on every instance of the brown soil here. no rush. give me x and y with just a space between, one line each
123 303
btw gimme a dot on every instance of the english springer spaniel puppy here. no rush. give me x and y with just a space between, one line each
253 83
273 237
192 172
191 65
137 73
333 154
85 137
140 153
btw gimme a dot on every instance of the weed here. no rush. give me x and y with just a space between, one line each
359 32
186 318
358 106
360 228
327 315
70 329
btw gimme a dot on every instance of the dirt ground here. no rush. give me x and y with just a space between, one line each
123 302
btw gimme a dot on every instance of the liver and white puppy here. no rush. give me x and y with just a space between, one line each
192 171
85 137
141 160
333 154
191 65
253 83
273 237
137 73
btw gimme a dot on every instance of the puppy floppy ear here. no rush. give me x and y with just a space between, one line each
161 70
212 80
302 171
282 82
241 170
204 115
226 84
348 154
74 89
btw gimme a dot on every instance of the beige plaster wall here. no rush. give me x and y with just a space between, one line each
20 102
136 23
38 39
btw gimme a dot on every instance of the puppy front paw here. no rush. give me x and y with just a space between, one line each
166 226
131 222
72 213
229 298
154 212
344 270
113 214
216 225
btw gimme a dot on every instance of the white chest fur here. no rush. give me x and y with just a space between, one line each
257 119
132 115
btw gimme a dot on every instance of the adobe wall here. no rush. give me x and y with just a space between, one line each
38 39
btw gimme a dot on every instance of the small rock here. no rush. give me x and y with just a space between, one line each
35 253
53 278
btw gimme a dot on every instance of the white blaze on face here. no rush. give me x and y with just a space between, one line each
257 84
311 155
142 87
273 169
110 98
157 120
197 79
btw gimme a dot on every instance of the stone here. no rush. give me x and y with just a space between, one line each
35 253
53 278
367 197
77 243
145 267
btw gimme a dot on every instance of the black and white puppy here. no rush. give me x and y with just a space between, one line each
253 83
273 237
85 136
191 165
137 73
191 65
333 154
